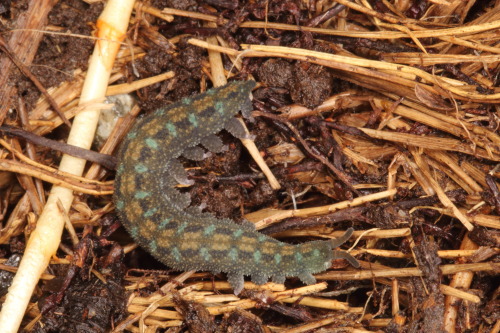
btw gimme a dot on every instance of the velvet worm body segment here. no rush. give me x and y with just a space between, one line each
159 218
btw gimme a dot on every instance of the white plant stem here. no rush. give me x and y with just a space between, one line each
45 239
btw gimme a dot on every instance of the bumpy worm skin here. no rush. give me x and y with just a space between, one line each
184 238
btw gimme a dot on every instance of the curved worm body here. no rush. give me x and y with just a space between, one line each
158 217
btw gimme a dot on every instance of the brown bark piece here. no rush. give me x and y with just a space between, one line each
24 43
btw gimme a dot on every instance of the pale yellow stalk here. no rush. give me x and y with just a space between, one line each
45 239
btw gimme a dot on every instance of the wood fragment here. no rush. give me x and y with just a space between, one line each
35 18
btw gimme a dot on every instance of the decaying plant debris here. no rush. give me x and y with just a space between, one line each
378 115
